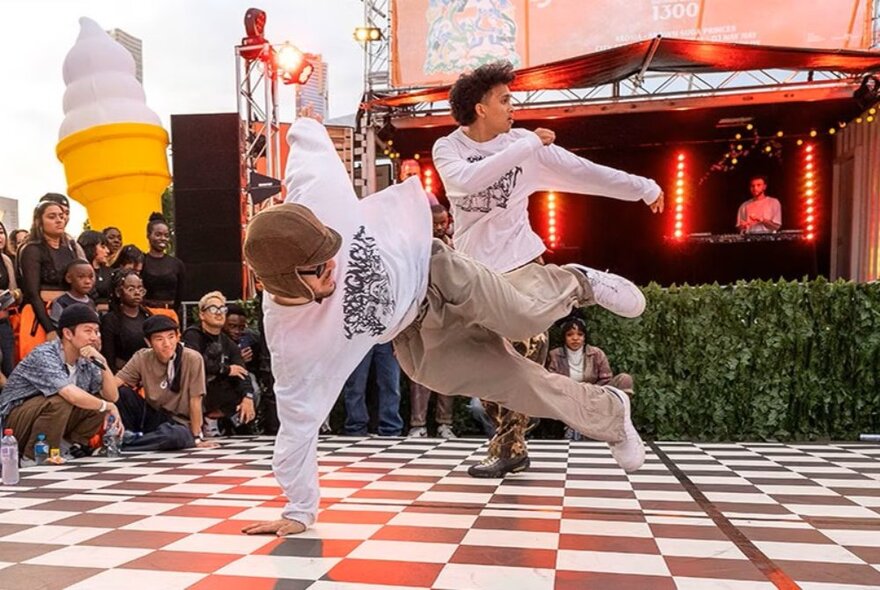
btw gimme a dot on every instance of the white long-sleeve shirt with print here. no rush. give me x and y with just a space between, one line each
381 279
489 183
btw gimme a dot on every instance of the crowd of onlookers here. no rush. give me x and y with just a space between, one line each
91 327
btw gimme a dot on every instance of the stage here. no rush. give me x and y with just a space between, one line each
404 513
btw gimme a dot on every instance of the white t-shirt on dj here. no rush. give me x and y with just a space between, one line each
381 279
489 184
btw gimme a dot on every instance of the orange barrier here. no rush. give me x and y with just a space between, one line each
30 333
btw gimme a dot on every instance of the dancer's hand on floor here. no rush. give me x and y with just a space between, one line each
280 527
657 206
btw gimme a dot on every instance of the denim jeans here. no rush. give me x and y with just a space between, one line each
387 371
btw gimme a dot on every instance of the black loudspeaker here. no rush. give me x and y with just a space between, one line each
207 203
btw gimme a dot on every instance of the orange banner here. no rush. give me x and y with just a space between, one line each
435 40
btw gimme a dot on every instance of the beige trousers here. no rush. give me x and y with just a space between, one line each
458 346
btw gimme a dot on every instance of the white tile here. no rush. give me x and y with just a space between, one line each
530 491
613 528
172 524
834 586
85 556
811 552
258 513
341 531
25 516
164 478
844 511
136 508
400 486
595 502
612 563
796 490
365 508
12 503
580 484
699 548
854 538
455 498
868 501
98 498
430 520
203 489
520 539
131 579
743 498
404 551
80 484
487 577
55 535
682 583
678 520
847 483
663 496
211 543
518 512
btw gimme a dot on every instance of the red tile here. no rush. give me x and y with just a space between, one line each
420 534
580 493
708 567
601 581
867 554
181 561
831 573
744 507
683 531
759 533
536 525
463 488
600 514
505 556
234 583
356 516
436 508
221 480
391 573
342 483
302 547
527 500
386 495
140 539
254 490
230 527
205 511
412 478
107 521
608 543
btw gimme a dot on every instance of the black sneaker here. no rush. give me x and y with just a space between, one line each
496 467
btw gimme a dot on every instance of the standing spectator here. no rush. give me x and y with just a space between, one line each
229 400
387 371
16 239
97 251
80 280
7 282
172 377
584 363
248 341
56 390
129 257
163 274
122 328
42 263
114 242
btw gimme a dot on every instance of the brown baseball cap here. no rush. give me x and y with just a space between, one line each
281 239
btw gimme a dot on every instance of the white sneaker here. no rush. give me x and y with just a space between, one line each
210 428
445 431
629 452
613 292
418 432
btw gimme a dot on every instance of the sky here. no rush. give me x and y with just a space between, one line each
189 67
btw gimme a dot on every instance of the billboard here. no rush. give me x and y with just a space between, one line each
435 40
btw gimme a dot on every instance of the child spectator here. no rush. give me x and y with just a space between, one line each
79 276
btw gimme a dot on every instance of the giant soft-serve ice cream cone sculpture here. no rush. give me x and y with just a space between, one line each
112 146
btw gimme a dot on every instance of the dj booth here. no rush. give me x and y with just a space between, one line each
705 257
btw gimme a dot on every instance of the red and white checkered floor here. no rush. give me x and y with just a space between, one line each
404 513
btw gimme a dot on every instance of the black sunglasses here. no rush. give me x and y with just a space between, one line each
317 271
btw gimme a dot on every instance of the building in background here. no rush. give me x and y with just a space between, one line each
135 47
9 213
315 91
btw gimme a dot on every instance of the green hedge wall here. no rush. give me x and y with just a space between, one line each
753 361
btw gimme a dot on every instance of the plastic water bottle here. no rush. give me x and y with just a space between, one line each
41 450
9 458
111 438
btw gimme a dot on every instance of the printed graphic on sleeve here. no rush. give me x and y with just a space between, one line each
368 303
497 195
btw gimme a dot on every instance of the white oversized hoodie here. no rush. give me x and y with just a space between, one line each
489 184
381 279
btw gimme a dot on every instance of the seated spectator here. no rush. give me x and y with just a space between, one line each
129 257
114 243
97 252
58 391
584 363
247 340
387 371
169 415
229 401
122 328
79 276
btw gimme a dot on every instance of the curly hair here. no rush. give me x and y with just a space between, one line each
470 89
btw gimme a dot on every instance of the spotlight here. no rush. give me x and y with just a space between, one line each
254 25
367 34
291 65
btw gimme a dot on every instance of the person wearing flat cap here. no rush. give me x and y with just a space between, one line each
342 274
59 389
173 381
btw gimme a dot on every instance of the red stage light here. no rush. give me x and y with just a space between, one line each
292 65
552 235
680 188
810 236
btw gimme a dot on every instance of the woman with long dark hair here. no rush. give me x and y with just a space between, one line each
97 252
13 241
129 257
41 263
7 281
122 328
163 274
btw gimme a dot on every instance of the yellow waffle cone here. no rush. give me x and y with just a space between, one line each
118 172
